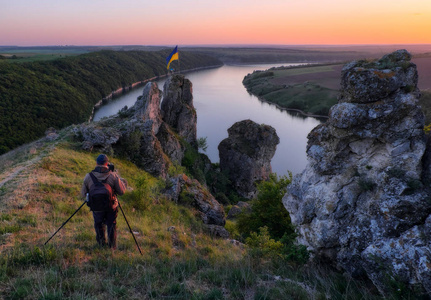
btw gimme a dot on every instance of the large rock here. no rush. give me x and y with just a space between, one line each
361 201
246 155
177 107
140 134
190 192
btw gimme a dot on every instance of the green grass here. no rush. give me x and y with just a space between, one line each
194 266
309 98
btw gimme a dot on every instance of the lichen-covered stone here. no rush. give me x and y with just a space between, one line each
366 82
362 201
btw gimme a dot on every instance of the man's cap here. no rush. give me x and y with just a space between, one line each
102 159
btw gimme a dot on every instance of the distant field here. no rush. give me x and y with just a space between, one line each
326 76
31 55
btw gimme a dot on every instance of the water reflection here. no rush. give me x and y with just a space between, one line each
221 100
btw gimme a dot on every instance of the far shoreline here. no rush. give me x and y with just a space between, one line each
291 109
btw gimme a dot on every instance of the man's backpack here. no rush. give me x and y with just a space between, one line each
101 195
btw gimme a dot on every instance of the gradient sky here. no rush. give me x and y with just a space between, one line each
186 22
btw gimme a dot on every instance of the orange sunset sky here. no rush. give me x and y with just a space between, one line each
188 22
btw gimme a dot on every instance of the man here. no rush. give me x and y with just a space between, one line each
107 216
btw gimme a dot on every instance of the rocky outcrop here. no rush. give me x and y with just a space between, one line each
362 202
177 108
141 134
190 192
246 155
154 143
237 209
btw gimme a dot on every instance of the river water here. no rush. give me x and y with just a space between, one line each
221 100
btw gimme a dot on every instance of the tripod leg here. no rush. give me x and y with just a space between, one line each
64 223
129 227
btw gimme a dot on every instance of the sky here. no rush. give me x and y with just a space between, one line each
202 22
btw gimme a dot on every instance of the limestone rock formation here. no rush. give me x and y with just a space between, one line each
140 133
363 200
184 190
246 155
177 107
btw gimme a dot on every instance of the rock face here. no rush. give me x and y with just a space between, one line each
191 192
246 155
363 200
141 134
177 108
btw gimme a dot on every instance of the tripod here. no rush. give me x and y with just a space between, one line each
64 223
80 208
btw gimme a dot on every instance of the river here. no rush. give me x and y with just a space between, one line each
221 100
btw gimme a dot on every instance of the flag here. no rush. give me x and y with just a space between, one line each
173 56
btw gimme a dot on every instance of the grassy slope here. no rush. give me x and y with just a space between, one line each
183 263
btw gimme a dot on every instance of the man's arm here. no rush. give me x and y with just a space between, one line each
84 188
120 185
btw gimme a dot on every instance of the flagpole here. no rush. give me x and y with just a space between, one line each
179 66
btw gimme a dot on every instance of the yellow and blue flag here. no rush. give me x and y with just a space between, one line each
173 56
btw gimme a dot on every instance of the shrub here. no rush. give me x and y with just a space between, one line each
261 244
292 251
268 209
202 143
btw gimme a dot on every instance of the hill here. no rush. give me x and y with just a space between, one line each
57 93
174 221
39 190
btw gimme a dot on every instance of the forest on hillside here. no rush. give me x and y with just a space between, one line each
37 95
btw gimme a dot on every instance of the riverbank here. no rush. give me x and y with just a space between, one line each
311 90
302 113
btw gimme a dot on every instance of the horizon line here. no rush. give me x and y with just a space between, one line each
217 45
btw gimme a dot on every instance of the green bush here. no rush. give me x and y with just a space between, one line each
276 237
202 143
262 244
268 209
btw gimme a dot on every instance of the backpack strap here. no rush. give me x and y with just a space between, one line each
106 180
95 181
